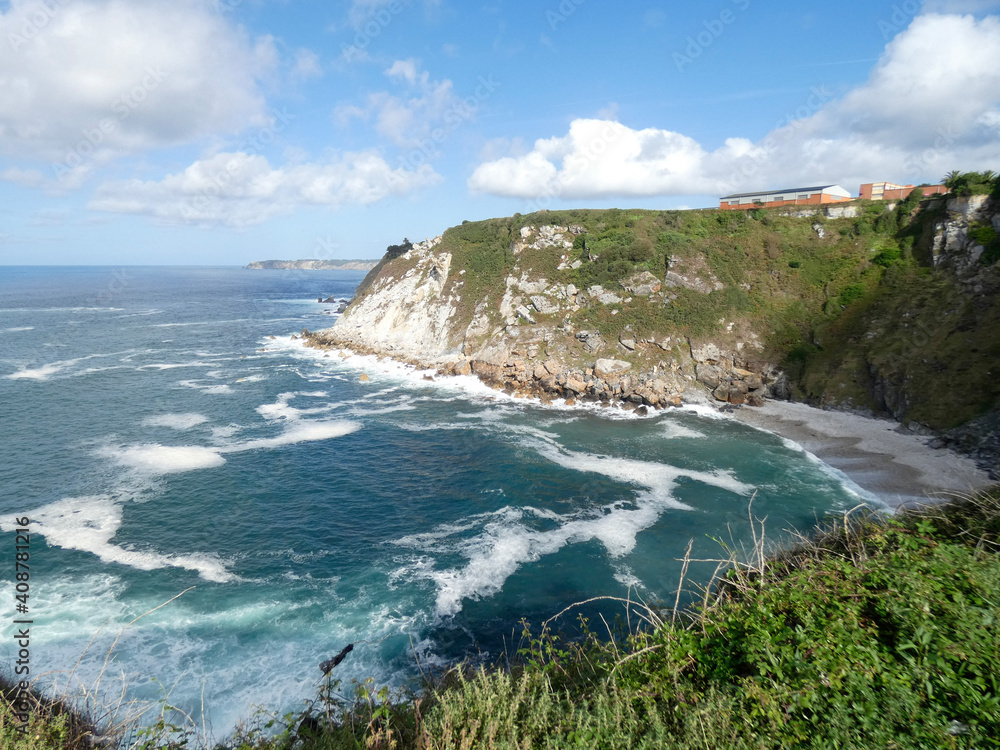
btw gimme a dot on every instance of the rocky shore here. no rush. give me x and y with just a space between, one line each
709 373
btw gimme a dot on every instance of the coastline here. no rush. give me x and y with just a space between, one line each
899 467
878 455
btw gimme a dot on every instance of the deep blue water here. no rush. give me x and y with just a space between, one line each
160 439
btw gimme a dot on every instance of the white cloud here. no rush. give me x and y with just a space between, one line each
603 158
98 78
409 120
929 106
307 65
242 190
25 177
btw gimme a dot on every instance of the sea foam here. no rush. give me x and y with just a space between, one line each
90 523
153 458
175 421
509 538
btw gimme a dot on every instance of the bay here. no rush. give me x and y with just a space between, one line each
166 434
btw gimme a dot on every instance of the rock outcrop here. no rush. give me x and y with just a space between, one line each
524 340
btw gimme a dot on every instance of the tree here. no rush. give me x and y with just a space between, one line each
394 251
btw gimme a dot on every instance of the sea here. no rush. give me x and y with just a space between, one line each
215 509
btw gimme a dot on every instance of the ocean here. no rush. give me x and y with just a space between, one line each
173 444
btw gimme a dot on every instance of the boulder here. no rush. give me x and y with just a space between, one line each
525 313
721 393
708 374
641 284
628 343
600 294
487 371
707 353
575 385
544 305
591 340
605 368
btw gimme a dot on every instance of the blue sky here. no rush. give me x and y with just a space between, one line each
225 131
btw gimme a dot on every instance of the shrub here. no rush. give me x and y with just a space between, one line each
888 257
851 293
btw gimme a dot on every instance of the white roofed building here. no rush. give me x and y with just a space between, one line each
808 196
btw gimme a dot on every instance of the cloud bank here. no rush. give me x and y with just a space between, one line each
241 190
931 104
96 78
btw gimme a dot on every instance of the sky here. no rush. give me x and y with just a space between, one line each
217 132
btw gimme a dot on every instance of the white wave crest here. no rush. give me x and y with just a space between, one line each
672 430
507 539
90 523
300 432
198 385
153 458
175 421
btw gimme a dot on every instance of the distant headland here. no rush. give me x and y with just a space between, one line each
312 265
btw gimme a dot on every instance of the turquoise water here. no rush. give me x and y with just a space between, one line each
160 439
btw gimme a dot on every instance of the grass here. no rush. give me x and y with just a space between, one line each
875 631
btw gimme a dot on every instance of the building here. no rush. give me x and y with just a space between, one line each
803 196
889 191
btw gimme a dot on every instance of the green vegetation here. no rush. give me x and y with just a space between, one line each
878 631
51 724
973 183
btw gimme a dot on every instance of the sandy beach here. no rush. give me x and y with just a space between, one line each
898 467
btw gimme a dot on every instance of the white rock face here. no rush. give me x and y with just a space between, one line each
599 294
692 273
544 305
604 368
971 207
544 236
406 316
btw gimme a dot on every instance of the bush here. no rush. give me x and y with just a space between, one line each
888 257
851 293
973 183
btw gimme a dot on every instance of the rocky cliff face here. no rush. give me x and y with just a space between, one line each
524 336
926 349
655 308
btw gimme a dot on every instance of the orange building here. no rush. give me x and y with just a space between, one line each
889 191
806 196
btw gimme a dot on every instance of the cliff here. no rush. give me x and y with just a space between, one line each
312 265
887 308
